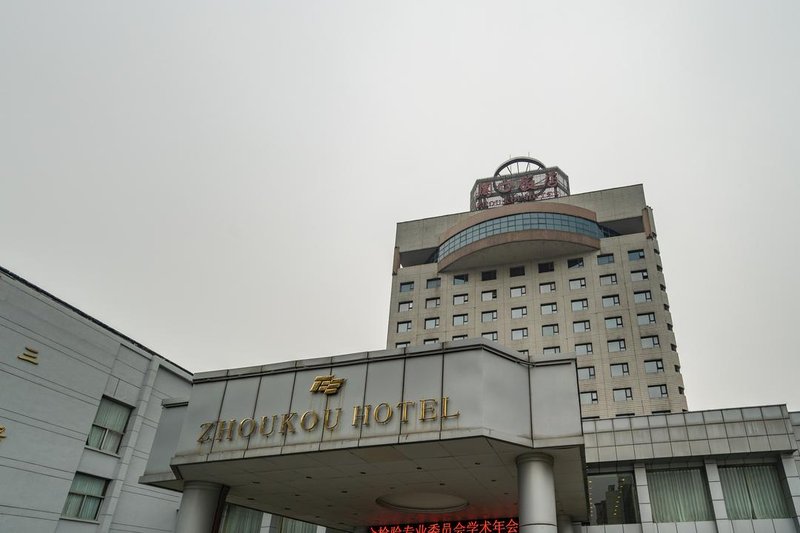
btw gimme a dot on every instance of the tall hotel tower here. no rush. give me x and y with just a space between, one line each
544 272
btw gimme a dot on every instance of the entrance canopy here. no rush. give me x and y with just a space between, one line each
395 436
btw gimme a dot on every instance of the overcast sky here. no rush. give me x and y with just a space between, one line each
221 180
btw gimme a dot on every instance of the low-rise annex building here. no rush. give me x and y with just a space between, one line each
79 407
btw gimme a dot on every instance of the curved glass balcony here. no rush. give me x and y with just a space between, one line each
523 222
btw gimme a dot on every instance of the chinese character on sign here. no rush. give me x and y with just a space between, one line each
512 526
327 384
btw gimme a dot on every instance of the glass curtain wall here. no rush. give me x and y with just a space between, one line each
612 499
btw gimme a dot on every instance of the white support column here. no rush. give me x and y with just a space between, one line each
537 493
199 506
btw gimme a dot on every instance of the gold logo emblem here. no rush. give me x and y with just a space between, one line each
30 355
327 384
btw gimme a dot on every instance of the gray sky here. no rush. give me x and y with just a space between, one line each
221 181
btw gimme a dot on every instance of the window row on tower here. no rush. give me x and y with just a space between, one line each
625 394
548 330
521 290
583 348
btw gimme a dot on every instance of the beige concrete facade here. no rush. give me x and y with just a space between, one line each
519 310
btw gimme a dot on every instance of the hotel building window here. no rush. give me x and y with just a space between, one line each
617 345
581 326
589 398
401 344
646 318
608 279
517 271
549 330
288 525
516 292
575 263
549 286
546 267
586 372
639 275
620 369
487 296
580 305
459 337
623 395
641 297
108 426
488 316
432 323
430 341
650 341
407 286
753 492
490 335
433 283
611 300
460 279
519 334
657 391
404 326
584 348
679 495
635 255
519 312
237 519
460 320
605 259
460 299
551 350
577 283
405 306
85 496
549 308
431 303
488 275
613 322
654 366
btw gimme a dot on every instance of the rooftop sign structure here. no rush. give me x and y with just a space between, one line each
520 179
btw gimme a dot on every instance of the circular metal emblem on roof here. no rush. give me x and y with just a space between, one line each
518 165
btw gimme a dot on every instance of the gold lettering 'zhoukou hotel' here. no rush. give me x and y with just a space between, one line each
542 271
